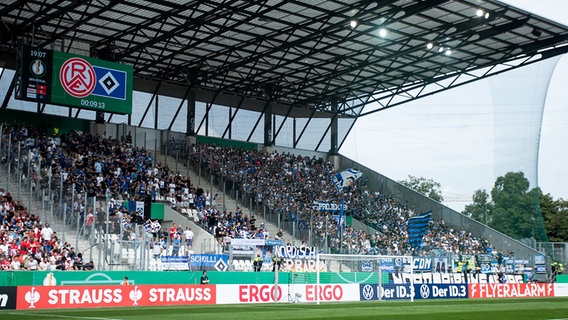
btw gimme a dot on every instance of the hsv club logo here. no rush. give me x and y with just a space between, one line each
77 77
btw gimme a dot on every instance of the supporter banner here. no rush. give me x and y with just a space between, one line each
387 266
511 290
7 298
440 291
451 278
391 265
539 259
541 269
219 262
294 252
177 145
326 206
485 263
270 242
422 264
387 292
246 247
247 242
175 263
113 296
441 264
302 265
540 264
257 293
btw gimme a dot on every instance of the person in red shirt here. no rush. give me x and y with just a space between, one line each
6 264
173 230
34 245
24 246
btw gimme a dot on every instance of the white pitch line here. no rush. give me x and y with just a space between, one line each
62 316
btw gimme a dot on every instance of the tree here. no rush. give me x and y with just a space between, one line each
519 212
481 207
555 215
426 187
515 209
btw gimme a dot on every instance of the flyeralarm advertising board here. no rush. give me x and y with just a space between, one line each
54 77
511 290
47 297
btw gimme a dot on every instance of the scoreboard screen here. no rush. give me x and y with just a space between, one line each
60 78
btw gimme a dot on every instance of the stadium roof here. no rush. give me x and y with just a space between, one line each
312 58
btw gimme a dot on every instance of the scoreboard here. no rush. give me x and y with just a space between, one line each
59 78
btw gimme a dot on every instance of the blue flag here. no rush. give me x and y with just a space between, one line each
340 220
345 178
416 228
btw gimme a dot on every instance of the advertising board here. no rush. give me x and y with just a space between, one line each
267 293
511 290
48 297
7 298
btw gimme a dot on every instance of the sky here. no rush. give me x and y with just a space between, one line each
466 137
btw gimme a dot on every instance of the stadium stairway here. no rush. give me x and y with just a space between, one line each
65 232
229 203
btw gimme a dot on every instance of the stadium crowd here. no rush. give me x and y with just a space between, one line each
294 184
28 244
98 167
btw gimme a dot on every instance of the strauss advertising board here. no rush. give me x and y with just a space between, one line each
40 297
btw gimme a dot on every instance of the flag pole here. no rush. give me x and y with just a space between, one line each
340 224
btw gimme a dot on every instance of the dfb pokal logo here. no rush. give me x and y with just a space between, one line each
77 77
424 291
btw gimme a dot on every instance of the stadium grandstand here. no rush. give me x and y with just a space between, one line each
135 133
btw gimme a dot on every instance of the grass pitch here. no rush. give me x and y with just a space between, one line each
525 309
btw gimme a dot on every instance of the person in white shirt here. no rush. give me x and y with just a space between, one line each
32 264
156 250
191 200
46 232
214 200
185 200
44 264
4 248
15 264
188 235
